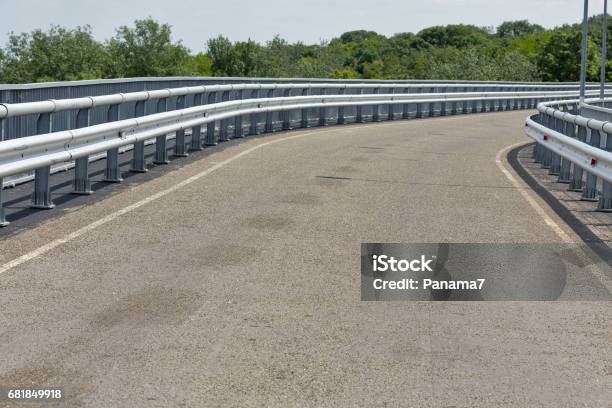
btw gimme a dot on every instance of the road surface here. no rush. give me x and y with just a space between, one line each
240 286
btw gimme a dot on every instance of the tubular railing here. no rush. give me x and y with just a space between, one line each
575 148
209 111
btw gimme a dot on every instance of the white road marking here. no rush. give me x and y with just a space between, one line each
596 269
524 192
104 220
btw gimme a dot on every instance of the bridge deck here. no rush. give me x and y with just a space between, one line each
241 287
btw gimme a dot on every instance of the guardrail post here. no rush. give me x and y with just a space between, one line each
443 108
322 111
139 164
179 139
359 109
210 127
431 108
269 126
196 131
589 193
238 119
577 172
286 115
3 221
340 120
305 124
391 107
41 198
225 96
375 109
605 199
405 107
565 170
81 184
161 150
254 129
112 173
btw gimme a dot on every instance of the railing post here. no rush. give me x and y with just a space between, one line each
443 108
41 198
359 109
196 131
223 137
340 120
3 221
577 172
139 164
286 115
305 124
405 107
161 150
322 111
254 129
179 138
589 193
605 199
210 127
112 173
81 184
269 126
565 173
238 119
432 106
391 107
375 108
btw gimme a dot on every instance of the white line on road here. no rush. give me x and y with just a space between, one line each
541 212
104 220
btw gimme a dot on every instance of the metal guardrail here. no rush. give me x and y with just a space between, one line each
84 140
26 126
575 148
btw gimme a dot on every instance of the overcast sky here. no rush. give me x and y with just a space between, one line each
309 21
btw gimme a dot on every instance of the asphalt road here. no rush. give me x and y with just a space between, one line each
241 286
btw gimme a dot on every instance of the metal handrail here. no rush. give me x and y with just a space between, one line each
570 145
77 145
58 105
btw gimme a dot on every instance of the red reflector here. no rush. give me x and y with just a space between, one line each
593 162
545 137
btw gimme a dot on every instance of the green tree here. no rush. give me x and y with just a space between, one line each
518 28
144 50
560 58
225 61
58 54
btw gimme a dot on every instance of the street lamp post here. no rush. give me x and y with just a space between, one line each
585 27
604 35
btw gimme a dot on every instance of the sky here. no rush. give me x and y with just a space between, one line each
310 21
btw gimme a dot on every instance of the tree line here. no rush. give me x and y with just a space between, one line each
514 51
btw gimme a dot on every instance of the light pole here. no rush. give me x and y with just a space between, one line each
604 35
585 28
